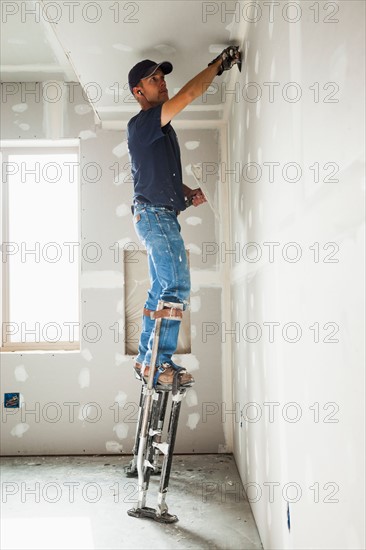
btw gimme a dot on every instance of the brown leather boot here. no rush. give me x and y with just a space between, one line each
166 376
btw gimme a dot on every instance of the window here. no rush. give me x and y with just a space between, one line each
40 234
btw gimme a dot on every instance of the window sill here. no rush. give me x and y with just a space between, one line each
18 351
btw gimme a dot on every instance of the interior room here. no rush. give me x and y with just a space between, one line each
269 449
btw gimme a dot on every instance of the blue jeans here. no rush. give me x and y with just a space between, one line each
158 229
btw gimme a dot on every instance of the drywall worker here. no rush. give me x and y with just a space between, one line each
159 196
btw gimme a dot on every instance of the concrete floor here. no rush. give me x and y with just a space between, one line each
82 502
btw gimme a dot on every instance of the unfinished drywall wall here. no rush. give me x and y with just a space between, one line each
297 210
86 402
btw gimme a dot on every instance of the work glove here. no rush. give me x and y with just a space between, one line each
230 56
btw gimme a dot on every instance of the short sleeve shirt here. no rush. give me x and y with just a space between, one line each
155 160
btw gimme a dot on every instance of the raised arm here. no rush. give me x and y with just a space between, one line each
190 91
229 57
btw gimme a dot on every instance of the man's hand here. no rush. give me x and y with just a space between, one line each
194 196
229 57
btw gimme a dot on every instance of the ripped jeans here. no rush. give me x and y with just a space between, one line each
158 229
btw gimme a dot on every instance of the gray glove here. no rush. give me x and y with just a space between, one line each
230 56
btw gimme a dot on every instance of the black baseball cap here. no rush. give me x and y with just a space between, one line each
146 68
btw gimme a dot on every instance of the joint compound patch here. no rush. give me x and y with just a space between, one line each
193 420
191 145
194 249
195 304
20 373
191 398
20 107
120 398
87 134
19 430
190 362
113 447
84 378
123 210
121 149
193 220
86 354
101 279
82 109
122 47
121 430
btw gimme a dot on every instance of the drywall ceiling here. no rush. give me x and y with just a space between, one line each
96 43
30 50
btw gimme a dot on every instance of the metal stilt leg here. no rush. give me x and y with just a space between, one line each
164 402
149 392
162 508
148 445
131 468
157 426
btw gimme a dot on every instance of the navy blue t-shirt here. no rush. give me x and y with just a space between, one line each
155 159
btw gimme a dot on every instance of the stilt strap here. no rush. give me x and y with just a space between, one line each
176 380
176 376
158 372
169 313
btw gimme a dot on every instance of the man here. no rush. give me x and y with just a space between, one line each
159 196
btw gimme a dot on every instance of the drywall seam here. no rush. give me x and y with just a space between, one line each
120 125
51 29
240 31
224 236
207 278
54 114
133 109
58 49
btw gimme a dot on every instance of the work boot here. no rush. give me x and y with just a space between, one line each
166 376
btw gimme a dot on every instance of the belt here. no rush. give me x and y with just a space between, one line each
170 208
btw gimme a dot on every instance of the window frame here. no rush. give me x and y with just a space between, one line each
14 146
133 312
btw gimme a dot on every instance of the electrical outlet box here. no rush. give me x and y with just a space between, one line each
11 400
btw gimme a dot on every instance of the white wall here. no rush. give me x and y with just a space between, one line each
293 377
100 373
324 453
